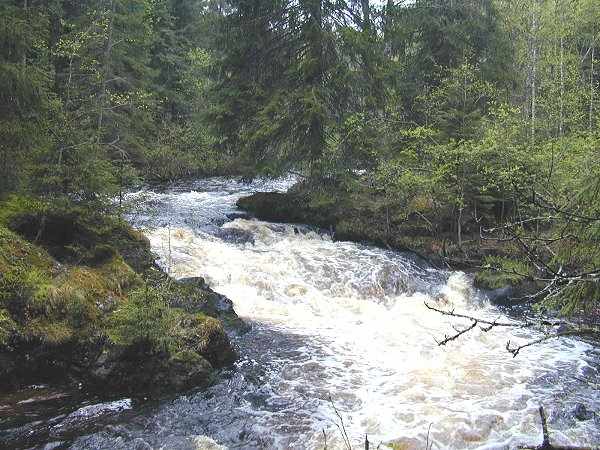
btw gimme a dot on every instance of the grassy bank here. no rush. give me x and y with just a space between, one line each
82 301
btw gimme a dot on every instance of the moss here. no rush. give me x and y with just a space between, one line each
145 317
74 234
48 331
187 357
16 205
7 328
78 296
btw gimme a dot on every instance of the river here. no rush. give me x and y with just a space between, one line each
341 338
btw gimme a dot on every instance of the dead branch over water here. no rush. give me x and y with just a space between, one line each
562 328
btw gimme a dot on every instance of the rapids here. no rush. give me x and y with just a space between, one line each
346 322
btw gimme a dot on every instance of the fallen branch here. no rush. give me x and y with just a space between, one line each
457 335
341 426
516 349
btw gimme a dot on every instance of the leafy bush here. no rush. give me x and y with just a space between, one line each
145 317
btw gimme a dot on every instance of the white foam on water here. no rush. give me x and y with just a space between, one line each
346 321
363 309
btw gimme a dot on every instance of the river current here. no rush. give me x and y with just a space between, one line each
341 340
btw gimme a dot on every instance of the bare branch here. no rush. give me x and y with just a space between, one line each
514 350
457 335
546 445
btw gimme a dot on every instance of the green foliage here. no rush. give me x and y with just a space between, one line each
144 318
444 117
499 272
7 327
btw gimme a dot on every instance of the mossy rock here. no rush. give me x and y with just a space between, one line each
80 300
207 337
193 295
76 235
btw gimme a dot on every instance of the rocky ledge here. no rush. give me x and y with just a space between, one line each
81 301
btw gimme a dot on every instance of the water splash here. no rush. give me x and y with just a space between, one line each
348 321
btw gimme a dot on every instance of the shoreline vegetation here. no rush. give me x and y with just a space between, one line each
82 301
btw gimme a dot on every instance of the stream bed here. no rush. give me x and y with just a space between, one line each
340 339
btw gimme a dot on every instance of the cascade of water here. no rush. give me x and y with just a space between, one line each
346 321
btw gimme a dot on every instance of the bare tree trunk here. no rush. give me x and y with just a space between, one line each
562 86
106 69
366 10
459 227
25 7
591 119
533 62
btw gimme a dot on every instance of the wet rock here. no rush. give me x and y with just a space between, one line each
53 445
235 236
90 413
582 413
205 443
501 296
187 369
406 443
238 215
194 295
279 228
273 206
198 282
140 444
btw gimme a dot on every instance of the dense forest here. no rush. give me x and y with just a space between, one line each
465 121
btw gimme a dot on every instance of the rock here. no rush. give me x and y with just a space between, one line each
91 336
205 443
89 414
272 206
195 296
235 235
198 282
187 369
238 215
581 412
137 369
501 296
53 445
208 338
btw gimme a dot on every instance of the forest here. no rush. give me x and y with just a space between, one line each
452 116
466 131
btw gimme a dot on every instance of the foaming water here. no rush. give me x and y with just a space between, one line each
348 322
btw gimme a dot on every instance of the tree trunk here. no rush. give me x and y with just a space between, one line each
534 59
562 87
366 10
459 227
591 119
106 69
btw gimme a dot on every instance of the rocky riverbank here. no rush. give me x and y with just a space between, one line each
359 216
82 302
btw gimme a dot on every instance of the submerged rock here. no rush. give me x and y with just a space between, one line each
582 413
235 235
238 215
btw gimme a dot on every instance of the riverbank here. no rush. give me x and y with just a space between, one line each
361 215
83 303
